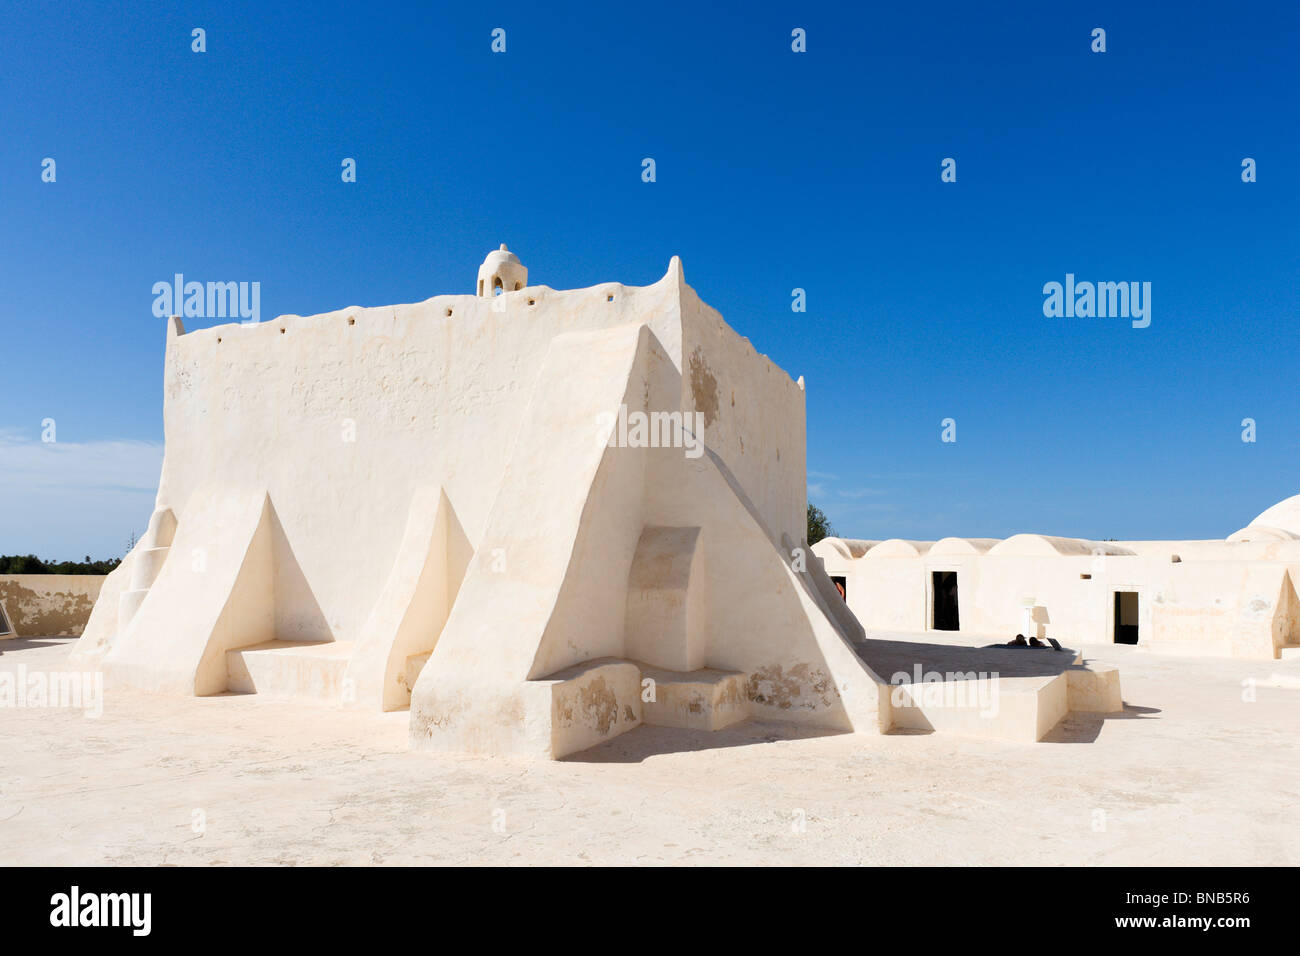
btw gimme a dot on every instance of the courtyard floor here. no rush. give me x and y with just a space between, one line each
1194 771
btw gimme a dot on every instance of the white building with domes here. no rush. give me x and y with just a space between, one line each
1235 597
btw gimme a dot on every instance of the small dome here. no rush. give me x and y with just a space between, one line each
1256 533
501 271
497 256
1283 516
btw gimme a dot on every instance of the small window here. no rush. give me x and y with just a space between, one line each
842 585
4 622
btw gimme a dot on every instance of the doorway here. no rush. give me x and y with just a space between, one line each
1126 617
943 588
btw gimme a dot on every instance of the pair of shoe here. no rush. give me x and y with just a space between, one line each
1021 642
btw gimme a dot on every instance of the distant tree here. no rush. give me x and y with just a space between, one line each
819 526
31 564
22 564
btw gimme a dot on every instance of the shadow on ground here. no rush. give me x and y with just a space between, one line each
27 643
1081 728
647 741
889 658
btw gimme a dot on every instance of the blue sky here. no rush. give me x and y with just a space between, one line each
775 170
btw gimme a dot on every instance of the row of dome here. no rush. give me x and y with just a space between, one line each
1278 523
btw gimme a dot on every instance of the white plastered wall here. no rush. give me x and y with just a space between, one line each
1217 598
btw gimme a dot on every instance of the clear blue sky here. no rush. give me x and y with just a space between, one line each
775 170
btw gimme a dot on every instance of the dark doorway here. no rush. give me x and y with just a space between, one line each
841 584
945 600
1126 617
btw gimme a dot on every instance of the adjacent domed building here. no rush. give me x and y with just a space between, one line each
1234 597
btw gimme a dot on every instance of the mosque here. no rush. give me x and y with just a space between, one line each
432 507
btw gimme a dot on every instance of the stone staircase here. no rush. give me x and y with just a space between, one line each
146 564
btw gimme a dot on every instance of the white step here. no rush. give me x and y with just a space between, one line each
128 602
1094 689
289 669
146 565
1011 708
704 699
1289 652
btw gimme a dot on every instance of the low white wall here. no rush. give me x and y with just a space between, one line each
49 605
1245 607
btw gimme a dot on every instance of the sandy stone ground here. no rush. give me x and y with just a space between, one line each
1190 774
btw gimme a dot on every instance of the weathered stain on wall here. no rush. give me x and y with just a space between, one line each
49 605
704 387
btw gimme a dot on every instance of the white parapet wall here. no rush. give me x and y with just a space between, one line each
1233 598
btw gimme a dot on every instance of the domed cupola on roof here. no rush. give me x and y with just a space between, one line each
1278 523
503 271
